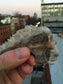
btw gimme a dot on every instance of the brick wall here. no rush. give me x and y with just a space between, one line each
5 32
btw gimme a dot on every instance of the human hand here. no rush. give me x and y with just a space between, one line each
15 65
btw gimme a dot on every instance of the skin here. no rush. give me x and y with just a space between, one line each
15 65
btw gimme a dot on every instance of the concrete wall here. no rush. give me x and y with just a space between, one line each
54 24
53 18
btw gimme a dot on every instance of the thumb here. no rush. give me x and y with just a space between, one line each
14 58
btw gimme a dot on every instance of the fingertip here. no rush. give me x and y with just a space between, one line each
22 52
27 50
26 68
31 61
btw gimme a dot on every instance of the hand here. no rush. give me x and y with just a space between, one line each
15 65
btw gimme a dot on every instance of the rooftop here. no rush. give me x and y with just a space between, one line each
52 3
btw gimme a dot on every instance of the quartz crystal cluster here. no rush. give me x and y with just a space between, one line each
38 39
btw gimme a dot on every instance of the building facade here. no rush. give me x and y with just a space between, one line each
18 21
52 14
52 11
14 27
5 32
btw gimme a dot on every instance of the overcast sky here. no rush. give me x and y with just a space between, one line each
22 6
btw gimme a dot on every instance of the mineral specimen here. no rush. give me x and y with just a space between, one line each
38 39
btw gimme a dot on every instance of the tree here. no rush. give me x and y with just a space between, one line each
32 21
35 15
1 17
17 14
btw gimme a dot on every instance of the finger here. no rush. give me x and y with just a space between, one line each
5 79
1 79
31 61
21 73
14 58
26 68
15 77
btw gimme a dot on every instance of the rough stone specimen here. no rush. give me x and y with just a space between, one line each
38 39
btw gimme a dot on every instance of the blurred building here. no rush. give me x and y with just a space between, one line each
18 22
26 17
14 27
5 32
6 20
52 13
15 22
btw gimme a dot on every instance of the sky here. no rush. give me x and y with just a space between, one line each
24 7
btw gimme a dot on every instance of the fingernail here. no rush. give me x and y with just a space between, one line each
21 53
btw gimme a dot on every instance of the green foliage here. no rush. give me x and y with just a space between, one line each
1 17
17 14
